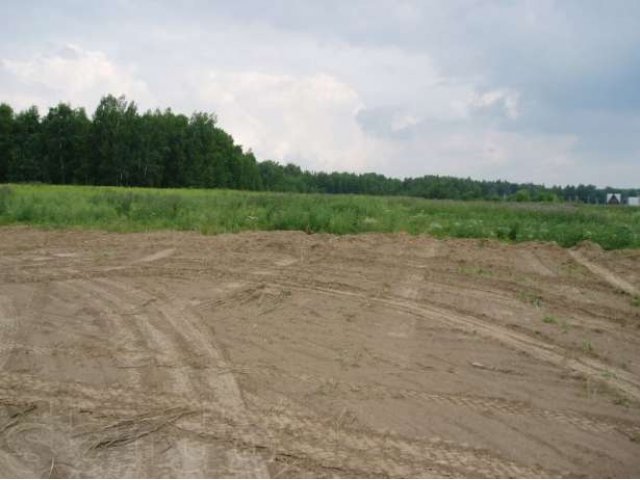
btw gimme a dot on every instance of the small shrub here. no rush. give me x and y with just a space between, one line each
120 200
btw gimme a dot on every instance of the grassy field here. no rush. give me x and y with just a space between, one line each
219 211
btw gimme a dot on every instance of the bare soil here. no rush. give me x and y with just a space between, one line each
291 355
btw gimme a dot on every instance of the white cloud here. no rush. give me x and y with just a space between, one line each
402 121
70 74
484 153
311 120
307 119
507 100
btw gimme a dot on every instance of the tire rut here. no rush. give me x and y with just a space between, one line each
359 391
604 274
278 430
169 337
360 448
552 354
184 339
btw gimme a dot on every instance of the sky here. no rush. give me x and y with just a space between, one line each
536 91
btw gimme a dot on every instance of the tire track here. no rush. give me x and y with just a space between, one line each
604 274
29 389
541 350
180 340
8 328
368 391
355 447
533 260
169 338
285 431
621 379
138 361
167 252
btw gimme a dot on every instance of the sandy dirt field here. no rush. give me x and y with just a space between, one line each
286 355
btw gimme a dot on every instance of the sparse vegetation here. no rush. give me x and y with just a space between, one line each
531 297
621 400
479 271
587 346
562 323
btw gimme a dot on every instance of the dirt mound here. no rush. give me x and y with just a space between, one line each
291 355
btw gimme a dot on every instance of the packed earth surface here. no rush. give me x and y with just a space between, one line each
284 354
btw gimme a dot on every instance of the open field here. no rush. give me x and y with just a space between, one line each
226 211
284 354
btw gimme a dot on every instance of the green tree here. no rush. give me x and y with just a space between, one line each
6 139
64 141
176 159
26 159
114 141
119 146
522 195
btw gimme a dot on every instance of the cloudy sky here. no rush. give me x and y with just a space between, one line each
541 90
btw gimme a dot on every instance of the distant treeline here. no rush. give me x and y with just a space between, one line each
120 146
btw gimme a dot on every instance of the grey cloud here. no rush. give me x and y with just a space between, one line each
425 76
383 122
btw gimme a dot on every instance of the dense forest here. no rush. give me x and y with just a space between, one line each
118 145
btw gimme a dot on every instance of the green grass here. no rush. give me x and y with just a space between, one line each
219 211
530 297
562 323
587 346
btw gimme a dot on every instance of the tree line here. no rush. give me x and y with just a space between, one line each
118 145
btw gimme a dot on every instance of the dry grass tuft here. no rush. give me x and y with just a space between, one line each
131 429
